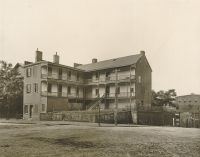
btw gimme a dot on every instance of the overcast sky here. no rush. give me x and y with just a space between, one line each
79 30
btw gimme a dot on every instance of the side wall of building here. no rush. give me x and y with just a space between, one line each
143 82
32 101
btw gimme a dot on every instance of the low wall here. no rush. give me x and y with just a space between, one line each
87 116
159 118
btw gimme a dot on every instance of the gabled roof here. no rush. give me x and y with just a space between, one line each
18 65
111 63
190 95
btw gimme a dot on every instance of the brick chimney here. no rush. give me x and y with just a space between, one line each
142 53
76 65
38 55
56 58
94 60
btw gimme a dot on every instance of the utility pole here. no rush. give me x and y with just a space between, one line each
99 115
99 100
130 95
116 97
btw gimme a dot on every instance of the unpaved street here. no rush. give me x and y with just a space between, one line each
63 140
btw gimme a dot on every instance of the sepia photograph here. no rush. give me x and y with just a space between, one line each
99 78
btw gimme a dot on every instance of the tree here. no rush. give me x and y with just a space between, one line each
163 98
11 88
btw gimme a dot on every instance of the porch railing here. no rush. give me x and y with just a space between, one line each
61 94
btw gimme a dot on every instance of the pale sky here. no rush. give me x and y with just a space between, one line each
79 30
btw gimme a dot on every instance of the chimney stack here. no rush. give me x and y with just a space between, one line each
142 53
38 55
56 58
94 60
76 65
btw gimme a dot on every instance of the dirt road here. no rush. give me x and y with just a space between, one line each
49 140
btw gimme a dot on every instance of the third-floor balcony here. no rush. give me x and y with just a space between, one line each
110 79
66 78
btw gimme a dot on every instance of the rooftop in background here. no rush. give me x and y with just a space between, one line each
189 95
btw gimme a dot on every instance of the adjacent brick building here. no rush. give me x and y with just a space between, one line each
121 83
188 103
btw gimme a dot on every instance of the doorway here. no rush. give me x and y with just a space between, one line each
30 111
107 91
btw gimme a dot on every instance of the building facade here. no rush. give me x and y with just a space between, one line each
188 103
121 83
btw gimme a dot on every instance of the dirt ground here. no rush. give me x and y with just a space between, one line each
72 140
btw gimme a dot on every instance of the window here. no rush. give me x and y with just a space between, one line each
139 79
70 75
43 108
77 91
49 88
25 109
28 72
28 88
60 88
60 73
97 92
35 87
69 90
50 70
97 75
107 74
78 77
132 90
118 90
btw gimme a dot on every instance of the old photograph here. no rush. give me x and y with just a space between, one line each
99 78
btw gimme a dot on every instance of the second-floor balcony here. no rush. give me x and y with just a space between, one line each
121 95
61 94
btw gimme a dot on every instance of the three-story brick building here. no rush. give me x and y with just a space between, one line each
122 83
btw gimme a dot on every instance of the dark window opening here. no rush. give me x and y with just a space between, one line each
78 77
35 87
50 70
70 74
69 90
118 90
60 88
97 75
49 88
26 109
60 73
77 91
97 92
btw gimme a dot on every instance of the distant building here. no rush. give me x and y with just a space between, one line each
52 87
20 69
188 103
